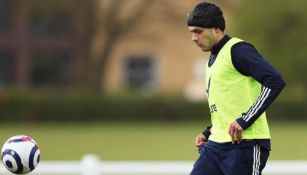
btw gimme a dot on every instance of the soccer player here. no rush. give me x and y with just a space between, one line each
240 85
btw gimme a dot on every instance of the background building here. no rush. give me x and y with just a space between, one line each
54 44
37 43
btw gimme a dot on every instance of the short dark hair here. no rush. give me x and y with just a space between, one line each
206 15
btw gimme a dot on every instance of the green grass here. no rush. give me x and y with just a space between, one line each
141 141
289 141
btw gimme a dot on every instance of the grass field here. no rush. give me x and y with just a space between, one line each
142 141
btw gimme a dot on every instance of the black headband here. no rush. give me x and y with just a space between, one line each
201 22
206 15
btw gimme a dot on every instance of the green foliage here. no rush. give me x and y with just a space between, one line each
75 106
60 106
277 29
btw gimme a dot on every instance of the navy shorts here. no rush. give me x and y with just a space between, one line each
236 161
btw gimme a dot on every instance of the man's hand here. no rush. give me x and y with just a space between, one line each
235 132
200 140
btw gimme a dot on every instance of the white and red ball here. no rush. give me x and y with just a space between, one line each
20 154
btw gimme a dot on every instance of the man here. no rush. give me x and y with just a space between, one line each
240 86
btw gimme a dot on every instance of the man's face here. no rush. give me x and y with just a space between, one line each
204 38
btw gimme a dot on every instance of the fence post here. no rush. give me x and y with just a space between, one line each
90 165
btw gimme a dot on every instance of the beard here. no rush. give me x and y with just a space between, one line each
204 48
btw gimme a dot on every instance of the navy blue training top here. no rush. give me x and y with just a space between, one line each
249 62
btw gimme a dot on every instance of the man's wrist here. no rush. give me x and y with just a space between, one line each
242 123
207 134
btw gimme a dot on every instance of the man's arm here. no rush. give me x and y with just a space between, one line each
249 62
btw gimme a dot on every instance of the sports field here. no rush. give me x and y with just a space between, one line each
142 141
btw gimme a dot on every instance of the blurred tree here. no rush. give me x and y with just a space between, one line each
108 21
277 29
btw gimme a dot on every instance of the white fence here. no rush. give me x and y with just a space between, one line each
91 165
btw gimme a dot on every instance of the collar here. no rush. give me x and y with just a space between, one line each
217 47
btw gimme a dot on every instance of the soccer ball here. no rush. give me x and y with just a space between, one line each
20 154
